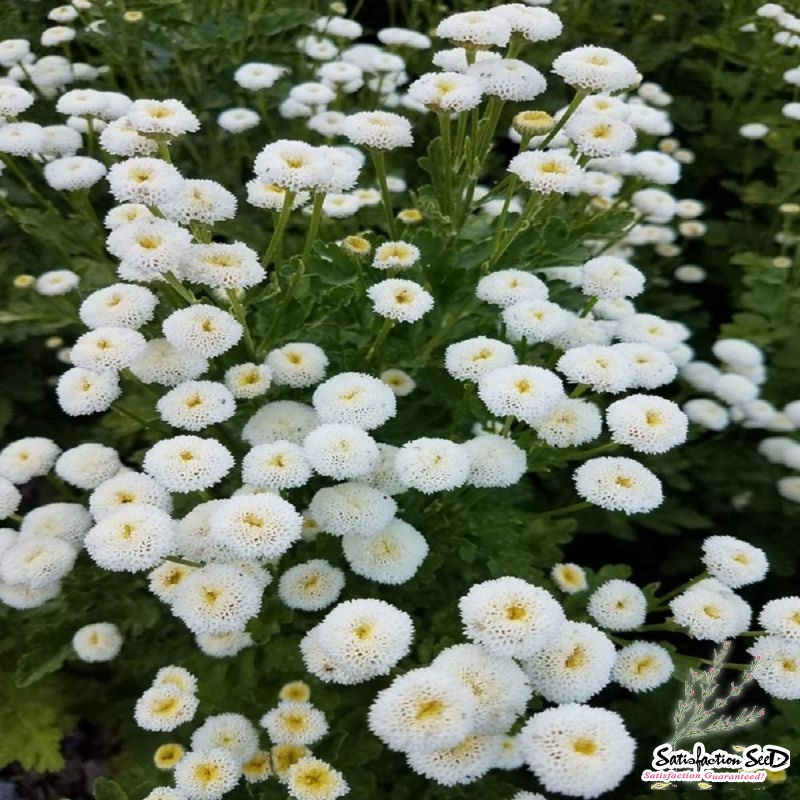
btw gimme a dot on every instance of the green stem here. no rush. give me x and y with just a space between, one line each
241 316
276 242
447 154
379 164
571 109
23 179
122 411
682 588
560 512
580 389
184 293
316 215
507 423
380 339
184 561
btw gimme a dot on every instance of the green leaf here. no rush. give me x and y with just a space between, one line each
33 666
105 789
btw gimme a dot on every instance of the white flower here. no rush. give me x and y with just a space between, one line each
83 391
781 617
400 300
508 78
469 760
71 173
28 458
68 521
391 557
642 666
202 201
570 578
134 538
148 247
710 610
238 120
297 364
231 732
509 616
399 381
292 164
202 330
354 398
100 641
476 28
150 181
292 722
352 509
311 586
341 451
448 92
432 465
56 282
571 423
596 69
207 775
195 405
550 172
494 461
423 710
120 138
167 365
651 367
395 255
610 277
121 305
499 685
10 498
509 286
573 666
125 489
276 465
535 24
528 393
473 358
648 423
107 348
734 562
578 750
187 463
36 562
599 135
618 605
255 75
256 526
311 778
280 420
164 707
364 638
778 669
381 130
600 367
217 598
618 484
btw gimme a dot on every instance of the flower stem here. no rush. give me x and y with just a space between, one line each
379 164
570 110
276 242
682 588
560 512
316 215
380 339
239 313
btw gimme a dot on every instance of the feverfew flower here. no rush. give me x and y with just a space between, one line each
618 605
642 666
600 367
596 69
781 617
311 778
571 423
648 423
28 458
380 130
195 405
778 670
472 358
400 300
187 463
100 641
354 398
548 172
618 484
446 92
107 348
121 305
352 509
246 381
395 255
162 118
570 578
432 465
207 775
202 330
610 278
578 750
72 173
477 28
421 710
311 586
733 562
391 557
150 181
165 707
166 365
223 266
340 451
276 465
710 610
507 78
509 616
528 393
297 364
508 286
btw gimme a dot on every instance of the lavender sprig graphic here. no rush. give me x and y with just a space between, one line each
699 713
